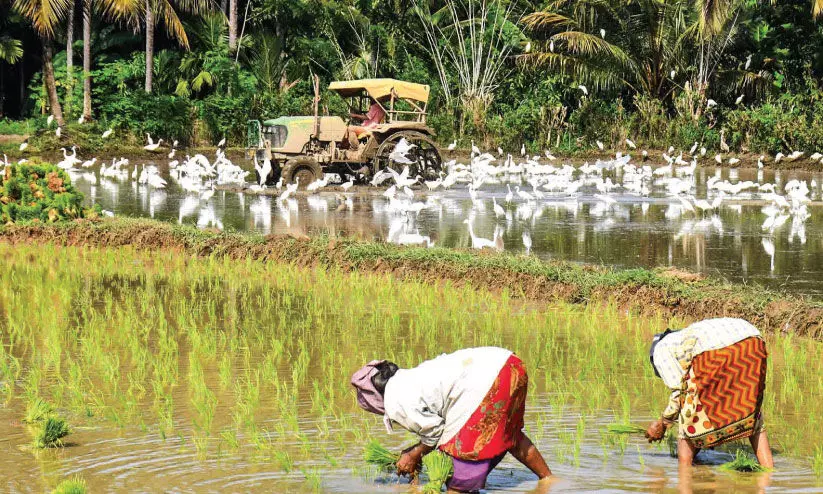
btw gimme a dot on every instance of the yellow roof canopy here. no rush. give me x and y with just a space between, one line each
382 88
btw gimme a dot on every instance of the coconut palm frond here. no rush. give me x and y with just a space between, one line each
43 14
593 74
593 47
547 21
174 26
736 81
11 50
713 15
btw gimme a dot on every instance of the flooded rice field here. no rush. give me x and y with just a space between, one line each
744 225
179 374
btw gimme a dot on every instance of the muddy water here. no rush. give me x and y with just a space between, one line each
637 231
182 375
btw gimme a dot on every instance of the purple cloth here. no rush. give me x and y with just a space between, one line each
470 476
368 397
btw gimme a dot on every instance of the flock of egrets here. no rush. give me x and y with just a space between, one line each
531 182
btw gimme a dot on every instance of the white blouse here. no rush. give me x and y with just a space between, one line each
435 399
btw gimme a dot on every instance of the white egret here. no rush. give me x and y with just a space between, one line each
58 132
49 120
107 133
710 103
23 146
602 33
631 143
452 146
584 89
347 185
599 145
739 99
498 209
527 241
153 146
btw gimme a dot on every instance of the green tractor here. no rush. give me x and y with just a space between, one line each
303 149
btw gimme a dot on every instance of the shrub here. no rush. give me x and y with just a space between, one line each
38 192
164 116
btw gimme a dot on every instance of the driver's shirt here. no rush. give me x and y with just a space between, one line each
374 116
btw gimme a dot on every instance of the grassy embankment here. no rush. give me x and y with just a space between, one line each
674 293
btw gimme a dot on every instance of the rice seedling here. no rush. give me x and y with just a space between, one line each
817 461
50 433
625 429
37 410
439 468
74 485
378 455
743 462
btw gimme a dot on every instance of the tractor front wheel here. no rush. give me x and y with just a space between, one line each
301 171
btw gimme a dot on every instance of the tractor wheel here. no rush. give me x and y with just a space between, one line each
424 156
302 171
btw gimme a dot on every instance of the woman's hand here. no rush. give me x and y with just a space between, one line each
409 462
656 431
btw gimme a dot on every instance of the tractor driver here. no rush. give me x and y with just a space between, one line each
371 119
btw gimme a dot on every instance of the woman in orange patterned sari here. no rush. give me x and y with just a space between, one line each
717 372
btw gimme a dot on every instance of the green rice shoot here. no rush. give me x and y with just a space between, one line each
74 485
51 433
625 429
743 462
439 468
378 455
37 410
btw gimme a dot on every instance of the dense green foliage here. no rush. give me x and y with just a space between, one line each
650 68
38 193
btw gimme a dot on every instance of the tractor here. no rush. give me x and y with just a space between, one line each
303 149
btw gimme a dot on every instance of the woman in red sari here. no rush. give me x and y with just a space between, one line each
468 404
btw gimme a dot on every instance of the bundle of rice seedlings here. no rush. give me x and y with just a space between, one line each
376 454
625 429
51 433
74 485
439 469
743 463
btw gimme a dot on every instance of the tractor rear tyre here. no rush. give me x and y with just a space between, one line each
424 157
302 171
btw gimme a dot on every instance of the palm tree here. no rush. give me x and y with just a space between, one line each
166 11
70 57
44 16
642 42
122 10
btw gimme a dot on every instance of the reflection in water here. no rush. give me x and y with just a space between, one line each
736 226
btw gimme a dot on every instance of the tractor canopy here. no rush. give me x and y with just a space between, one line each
380 89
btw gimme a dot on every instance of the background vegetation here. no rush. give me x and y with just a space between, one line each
503 72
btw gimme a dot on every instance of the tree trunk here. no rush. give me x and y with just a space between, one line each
149 45
232 25
87 59
22 68
48 80
70 57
